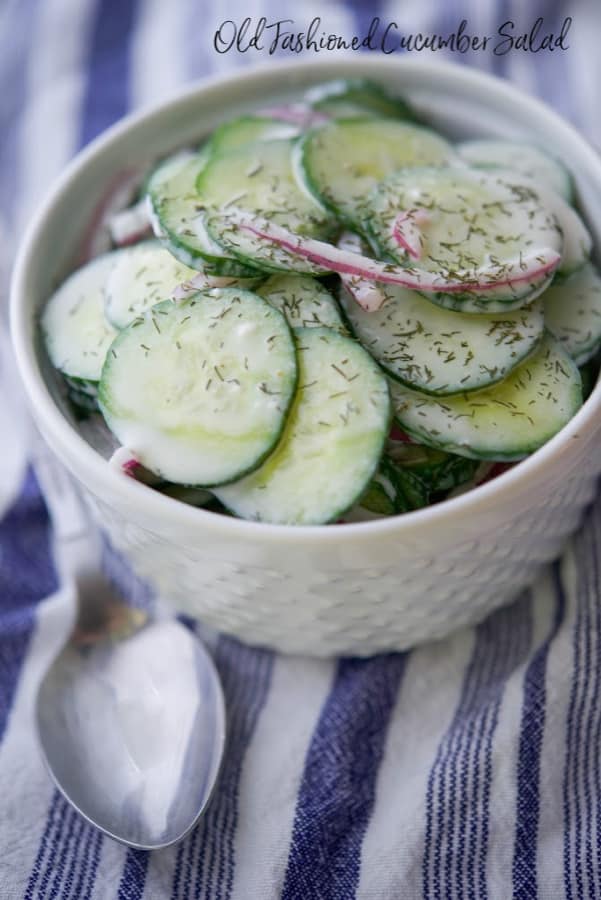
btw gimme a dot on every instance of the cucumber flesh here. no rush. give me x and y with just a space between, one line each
573 313
247 130
76 333
332 443
176 212
504 422
143 275
259 179
353 97
304 302
441 352
345 160
464 222
577 243
525 158
199 390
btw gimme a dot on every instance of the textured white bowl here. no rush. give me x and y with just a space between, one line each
353 589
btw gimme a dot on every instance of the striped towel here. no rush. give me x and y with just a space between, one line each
469 768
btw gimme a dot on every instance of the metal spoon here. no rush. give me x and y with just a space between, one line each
130 715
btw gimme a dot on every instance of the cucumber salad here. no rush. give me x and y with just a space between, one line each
328 312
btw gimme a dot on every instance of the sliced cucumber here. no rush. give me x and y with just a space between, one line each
438 470
199 390
302 300
142 276
82 394
343 161
441 352
249 129
471 225
191 495
394 490
524 158
332 442
168 166
573 313
259 179
178 219
504 422
353 97
577 243
589 373
76 332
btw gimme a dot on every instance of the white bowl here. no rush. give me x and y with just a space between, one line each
352 589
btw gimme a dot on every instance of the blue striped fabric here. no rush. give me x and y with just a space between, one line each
337 790
24 542
467 769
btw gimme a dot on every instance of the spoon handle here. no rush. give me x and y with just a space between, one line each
76 539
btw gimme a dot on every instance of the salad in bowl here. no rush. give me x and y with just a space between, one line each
327 311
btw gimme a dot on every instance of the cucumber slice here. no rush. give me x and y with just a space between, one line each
199 390
75 330
394 490
248 130
577 243
522 157
438 470
333 440
83 395
345 160
142 276
191 495
167 166
441 352
573 313
504 422
177 216
259 179
467 222
302 300
354 97
589 373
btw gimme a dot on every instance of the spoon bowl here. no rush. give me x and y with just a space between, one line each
130 715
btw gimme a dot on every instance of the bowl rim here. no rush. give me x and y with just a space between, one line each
91 468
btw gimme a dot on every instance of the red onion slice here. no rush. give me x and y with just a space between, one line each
530 267
128 226
366 293
406 230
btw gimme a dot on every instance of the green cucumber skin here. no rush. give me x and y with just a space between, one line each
189 255
410 491
395 376
104 400
573 313
202 262
395 191
310 217
520 452
275 288
314 333
358 221
472 305
82 394
312 184
221 141
567 189
376 100
492 456
439 475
